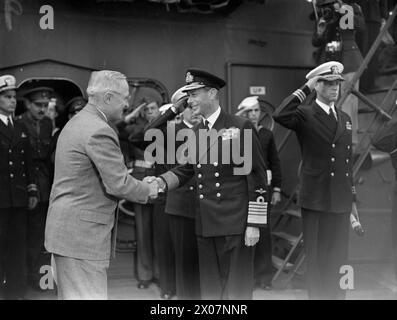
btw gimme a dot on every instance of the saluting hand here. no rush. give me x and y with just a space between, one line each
181 105
311 83
251 236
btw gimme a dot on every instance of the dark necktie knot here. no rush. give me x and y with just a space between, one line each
206 124
331 114
9 123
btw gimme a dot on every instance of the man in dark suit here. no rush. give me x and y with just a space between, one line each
40 134
327 192
230 195
17 193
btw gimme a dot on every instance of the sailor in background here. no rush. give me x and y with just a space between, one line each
327 193
263 267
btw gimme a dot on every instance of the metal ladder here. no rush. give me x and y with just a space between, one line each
383 113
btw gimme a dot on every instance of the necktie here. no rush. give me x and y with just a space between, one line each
332 114
9 124
206 124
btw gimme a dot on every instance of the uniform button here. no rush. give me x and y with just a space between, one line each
22 151
332 174
347 174
218 195
11 175
348 147
9 151
347 160
215 164
333 145
199 166
23 162
10 163
191 188
199 176
217 174
23 175
333 159
217 184
201 196
200 186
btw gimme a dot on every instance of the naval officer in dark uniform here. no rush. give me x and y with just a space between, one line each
18 192
230 202
40 136
181 202
327 193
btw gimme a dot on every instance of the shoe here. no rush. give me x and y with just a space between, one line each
143 284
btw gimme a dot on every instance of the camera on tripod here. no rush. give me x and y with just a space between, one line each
327 11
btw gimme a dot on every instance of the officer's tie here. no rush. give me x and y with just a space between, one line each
206 125
10 126
331 115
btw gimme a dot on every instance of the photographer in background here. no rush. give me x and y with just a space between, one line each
336 42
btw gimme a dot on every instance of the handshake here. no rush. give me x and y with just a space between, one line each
156 185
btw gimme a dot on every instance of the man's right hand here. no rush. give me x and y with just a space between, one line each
311 83
153 187
181 105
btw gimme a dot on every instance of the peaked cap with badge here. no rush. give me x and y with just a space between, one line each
7 82
196 79
328 71
39 94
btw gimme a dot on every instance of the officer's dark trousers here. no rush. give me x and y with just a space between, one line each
163 247
186 257
326 239
36 220
226 268
13 251
263 267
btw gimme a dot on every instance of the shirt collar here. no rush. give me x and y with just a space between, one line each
103 114
189 125
213 117
4 119
326 107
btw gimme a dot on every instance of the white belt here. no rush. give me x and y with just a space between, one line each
143 164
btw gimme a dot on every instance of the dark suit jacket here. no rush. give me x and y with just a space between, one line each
17 178
222 196
40 142
326 174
